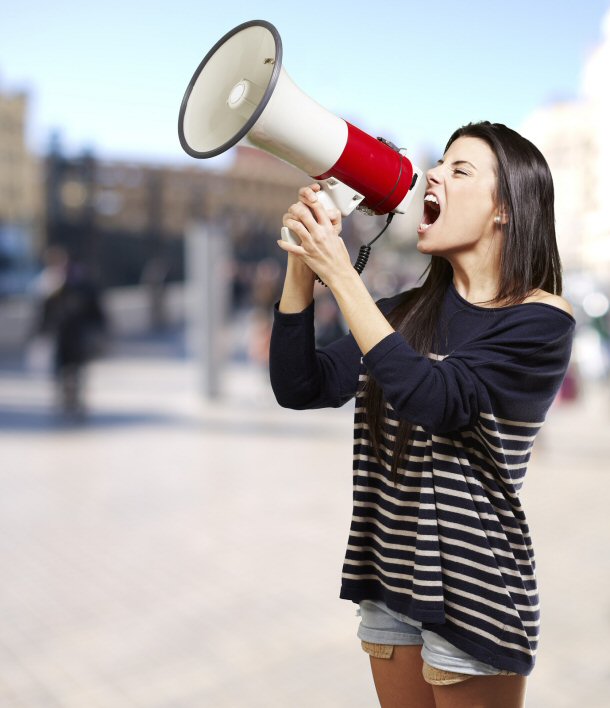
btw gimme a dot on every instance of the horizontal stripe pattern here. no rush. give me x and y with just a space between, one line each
447 542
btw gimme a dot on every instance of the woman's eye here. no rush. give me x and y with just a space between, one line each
460 172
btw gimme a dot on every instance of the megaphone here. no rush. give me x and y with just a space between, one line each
241 93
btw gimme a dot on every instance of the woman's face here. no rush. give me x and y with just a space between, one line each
463 185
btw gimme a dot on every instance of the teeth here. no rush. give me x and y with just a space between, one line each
431 198
424 227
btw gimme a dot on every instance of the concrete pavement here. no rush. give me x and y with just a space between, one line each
173 552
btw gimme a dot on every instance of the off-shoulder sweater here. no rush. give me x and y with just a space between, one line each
446 542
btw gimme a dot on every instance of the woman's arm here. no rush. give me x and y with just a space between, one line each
303 376
297 294
324 253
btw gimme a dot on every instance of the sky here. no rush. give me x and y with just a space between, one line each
110 76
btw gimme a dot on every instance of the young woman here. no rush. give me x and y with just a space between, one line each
452 381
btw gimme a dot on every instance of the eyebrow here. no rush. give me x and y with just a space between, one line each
458 162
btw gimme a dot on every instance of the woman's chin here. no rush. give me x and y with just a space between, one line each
425 246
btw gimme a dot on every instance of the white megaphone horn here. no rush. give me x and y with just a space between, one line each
240 92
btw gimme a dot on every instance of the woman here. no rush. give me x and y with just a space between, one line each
452 382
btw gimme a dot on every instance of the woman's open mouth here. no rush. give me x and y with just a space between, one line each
431 213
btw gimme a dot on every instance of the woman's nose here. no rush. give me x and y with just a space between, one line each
433 174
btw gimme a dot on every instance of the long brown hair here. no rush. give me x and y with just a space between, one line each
529 259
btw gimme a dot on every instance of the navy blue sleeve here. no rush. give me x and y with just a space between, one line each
305 377
513 370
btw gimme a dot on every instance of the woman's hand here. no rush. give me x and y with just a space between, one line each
321 249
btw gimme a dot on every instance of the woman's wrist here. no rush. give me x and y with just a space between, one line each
295 267
342 277
298 287
364 319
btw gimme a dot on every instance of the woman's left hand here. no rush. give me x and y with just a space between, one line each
322 249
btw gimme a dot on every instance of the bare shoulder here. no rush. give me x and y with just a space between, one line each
549 299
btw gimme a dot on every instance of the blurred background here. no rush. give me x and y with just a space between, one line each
168 535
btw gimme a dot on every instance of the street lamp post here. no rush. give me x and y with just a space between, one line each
207 255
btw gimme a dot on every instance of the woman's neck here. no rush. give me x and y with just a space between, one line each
475 281
476 270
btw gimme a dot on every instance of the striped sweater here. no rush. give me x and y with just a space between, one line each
448 543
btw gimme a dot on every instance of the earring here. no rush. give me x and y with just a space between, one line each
497 220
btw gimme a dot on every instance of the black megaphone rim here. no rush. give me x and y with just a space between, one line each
259 109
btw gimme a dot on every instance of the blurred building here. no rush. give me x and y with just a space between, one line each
19 170
20 195
574 137
121 217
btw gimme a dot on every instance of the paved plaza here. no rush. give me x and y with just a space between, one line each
173 552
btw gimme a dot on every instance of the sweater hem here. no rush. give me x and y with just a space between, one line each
434 621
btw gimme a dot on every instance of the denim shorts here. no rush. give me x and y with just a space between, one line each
379 625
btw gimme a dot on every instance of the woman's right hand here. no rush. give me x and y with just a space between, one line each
308 196
297 293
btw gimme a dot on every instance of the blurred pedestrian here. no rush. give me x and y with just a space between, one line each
72 315
571 386
452 381
329 327
264 293
154 278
